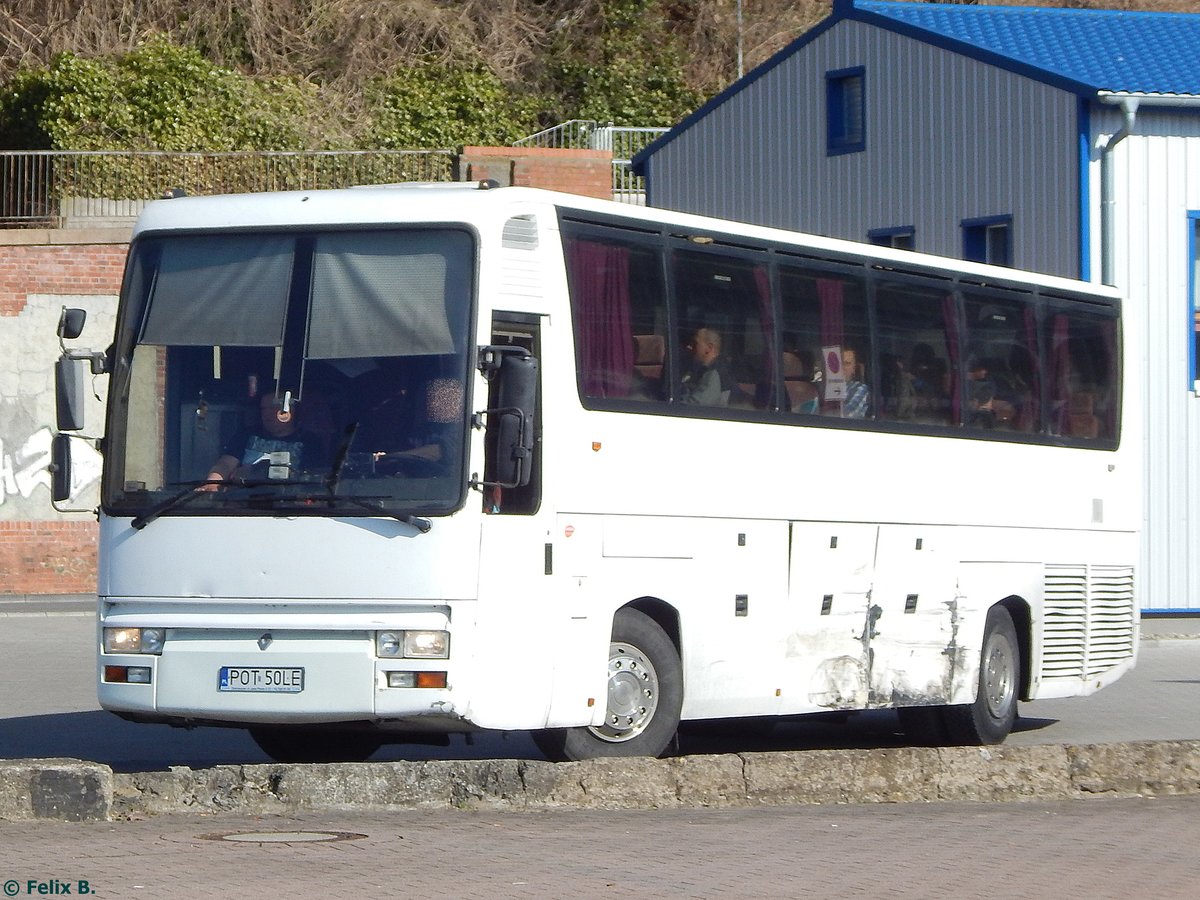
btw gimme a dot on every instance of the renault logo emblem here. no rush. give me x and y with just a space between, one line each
265 641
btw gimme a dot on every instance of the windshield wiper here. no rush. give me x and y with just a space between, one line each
373 504
184 497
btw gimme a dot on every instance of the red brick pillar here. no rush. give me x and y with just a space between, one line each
586 172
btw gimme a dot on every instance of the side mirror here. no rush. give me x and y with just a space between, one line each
60 468
70 323
513 420
68 394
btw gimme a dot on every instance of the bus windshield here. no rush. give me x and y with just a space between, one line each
302 372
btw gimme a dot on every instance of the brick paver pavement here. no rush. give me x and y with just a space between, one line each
1077 849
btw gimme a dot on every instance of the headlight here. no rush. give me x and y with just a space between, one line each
134 640
412 644
387 644
426 644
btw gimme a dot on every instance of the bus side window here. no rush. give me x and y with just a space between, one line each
618 305
722 300
1001 359
1082 373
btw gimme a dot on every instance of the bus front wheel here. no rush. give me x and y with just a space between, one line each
644 697
990 718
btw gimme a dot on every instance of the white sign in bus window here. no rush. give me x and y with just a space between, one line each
835 376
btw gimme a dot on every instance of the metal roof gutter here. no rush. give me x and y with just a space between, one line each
1130 103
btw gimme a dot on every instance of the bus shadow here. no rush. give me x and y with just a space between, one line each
1032 723
867 730
101 737
823 731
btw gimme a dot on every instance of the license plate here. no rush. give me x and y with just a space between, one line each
262 680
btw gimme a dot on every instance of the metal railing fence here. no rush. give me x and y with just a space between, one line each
60 188
81 188
623 140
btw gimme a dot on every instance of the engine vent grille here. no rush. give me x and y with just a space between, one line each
1089 620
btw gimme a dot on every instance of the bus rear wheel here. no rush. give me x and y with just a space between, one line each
990 718
644 697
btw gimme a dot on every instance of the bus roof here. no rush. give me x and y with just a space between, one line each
449 202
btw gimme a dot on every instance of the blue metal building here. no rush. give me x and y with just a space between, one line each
1063 141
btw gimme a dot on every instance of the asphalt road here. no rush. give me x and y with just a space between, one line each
48 708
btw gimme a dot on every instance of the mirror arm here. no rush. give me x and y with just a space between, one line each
96 360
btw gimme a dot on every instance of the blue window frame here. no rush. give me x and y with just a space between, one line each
845 111
901 237
988 240
1194 297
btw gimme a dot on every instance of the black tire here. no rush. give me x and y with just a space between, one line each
644 698
305 745
924 726
990 718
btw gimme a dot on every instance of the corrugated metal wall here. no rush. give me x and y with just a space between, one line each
1157 173
948 139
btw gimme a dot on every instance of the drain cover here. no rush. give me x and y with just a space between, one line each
282 837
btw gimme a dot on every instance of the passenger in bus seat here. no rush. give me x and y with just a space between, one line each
857 402
708 382
991 403
278 431
931 385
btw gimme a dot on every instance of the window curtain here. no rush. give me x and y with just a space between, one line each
1108 333
388 293
1034 416
1060 372
600 295
228 290
950 321
831 294
766 315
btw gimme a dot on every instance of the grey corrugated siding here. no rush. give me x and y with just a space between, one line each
948 139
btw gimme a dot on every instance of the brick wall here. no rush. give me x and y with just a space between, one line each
48 557
586 172
41 551
58 262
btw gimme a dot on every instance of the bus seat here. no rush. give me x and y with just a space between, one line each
793 368
803 397
650 351
802 394
1081 416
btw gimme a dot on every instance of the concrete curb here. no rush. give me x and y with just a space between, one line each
74 790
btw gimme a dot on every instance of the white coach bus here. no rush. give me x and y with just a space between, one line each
393 461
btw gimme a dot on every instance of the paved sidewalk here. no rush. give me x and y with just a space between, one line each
1079 849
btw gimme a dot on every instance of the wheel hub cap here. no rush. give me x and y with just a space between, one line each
632 694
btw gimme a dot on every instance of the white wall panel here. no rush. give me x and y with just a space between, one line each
1157 174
